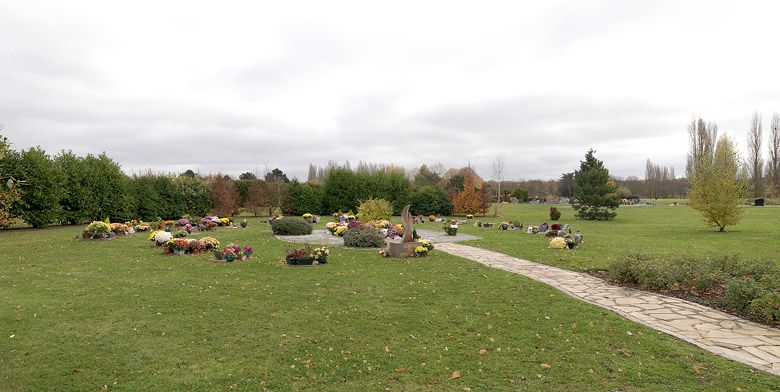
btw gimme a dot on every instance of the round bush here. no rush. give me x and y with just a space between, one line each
291 226
364 237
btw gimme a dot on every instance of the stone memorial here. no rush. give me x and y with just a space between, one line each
406 247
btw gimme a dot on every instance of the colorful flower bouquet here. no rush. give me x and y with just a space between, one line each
162 237
210 243
233 252
427 243
421 251
183 222
179 246
97 230
558 243
451 228
142 227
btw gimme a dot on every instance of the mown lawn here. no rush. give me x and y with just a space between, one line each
81 315
661 231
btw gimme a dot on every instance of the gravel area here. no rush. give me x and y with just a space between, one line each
323 237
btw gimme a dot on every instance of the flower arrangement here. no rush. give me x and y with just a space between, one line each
162 237
332 226
119 228
181 233
321 254
383 252
451 228
469 216
183 222
248 250
394 231
143 227
153 234
210 243
558 243
224 222
307 256
477 224
340 231
169 223
421 251
354 224
532 230
555 226
178 244
188 227
310 218
97 229
427 243
432 218
243 224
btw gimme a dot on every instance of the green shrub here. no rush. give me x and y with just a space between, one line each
767 305
374 209
364 236
653 275
554 214
740 292
291 226
623 271
430 200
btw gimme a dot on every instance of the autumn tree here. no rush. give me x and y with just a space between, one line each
470 200
716 187
224 196
595 193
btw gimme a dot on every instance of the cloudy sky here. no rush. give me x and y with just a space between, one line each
232 87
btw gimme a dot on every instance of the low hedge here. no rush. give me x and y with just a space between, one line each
291 226
741 284
364 237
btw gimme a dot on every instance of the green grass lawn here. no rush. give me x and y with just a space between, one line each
84 314
660 231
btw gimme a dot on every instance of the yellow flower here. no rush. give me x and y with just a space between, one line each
558 243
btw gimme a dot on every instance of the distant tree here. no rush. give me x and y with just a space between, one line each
189 173
755 162
497 170
40 203
257 199
247 176
77 202
193 195
773 164
566 185
594 192
341 191
456 183
9 186
716 187
701 139
470 200
430 200
425 177
276 175
225 197
520 194
301 199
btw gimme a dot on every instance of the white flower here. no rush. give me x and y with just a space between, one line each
162 237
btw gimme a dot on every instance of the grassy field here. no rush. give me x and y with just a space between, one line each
662 231
81 315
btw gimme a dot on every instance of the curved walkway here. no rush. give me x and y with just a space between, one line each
721 333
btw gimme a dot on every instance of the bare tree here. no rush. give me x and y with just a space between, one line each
497 170
755 162
773 164
701 137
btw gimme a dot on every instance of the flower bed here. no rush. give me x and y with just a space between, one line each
747 288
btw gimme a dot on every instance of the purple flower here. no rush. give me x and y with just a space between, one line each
248 249
184 222
188 227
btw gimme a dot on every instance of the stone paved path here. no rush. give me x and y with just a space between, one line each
723 334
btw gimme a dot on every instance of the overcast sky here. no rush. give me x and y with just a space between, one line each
232 87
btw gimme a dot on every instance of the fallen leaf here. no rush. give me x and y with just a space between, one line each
400 370
456 374
546 366
387 349
698 368
482 351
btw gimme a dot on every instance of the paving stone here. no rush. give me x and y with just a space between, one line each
730 336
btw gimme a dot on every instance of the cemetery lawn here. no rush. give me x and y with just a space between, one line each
661 231
88 315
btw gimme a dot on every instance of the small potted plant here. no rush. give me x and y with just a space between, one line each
243 224
470 216
451 228
320 255
247 252
230 254
178 246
